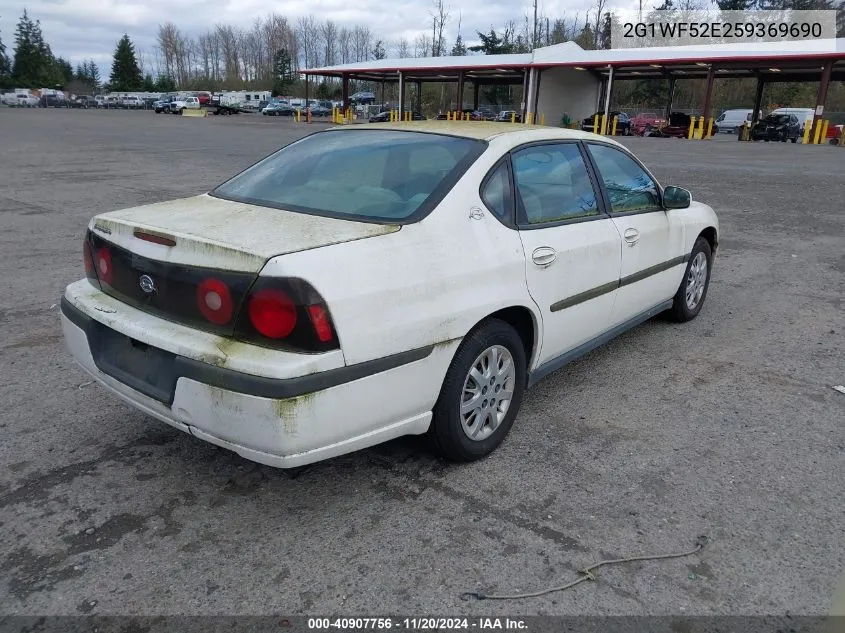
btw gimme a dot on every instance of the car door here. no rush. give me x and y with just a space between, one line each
652 245
571 245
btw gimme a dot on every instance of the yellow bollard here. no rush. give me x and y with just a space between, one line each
513 117
808 127
613 129
824 131
818 132
710 128
595 124
701 128
448 116
542 119
466 116
603 125
691 127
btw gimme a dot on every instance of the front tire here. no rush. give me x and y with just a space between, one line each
481 394
693 289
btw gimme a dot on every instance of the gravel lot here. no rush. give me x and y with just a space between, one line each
726 426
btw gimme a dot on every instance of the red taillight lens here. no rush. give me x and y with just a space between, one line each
215 301
102 264
272 312
322 323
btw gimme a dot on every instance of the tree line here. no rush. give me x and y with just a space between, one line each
269 54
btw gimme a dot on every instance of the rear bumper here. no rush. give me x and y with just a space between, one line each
282 422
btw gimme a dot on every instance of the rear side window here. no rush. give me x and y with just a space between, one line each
553 184
496 193
376 175
628 186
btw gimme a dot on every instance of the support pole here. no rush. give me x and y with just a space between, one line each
307 109
475 88
822 94
607 101
758 101
345 91
459 98
418 106
708 92
526 82
401 96
671 101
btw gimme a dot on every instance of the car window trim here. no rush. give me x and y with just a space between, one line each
608 206
519 209
510 220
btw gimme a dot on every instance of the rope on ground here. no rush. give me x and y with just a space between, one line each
586 574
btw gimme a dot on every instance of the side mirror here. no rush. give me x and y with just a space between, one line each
676 198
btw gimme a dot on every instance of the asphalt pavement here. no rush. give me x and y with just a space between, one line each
726 426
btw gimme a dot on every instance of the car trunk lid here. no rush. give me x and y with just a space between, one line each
211 232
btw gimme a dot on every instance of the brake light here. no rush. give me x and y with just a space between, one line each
272 312
320 320
286 313
215 301
88 258
103 265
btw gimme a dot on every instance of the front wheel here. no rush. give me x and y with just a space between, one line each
481 394
693 290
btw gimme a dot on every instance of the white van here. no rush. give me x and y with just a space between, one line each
730 120
802 114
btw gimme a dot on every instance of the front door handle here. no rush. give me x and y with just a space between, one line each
544 255
632 236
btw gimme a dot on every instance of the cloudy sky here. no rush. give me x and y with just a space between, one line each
83 29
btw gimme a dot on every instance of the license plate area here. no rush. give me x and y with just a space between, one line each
143 367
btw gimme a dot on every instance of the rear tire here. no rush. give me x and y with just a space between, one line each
482 393
693 289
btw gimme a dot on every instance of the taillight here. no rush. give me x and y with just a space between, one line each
215 301
103 265
320 319
272 312
88 258
286 313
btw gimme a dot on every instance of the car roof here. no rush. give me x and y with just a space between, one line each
484 130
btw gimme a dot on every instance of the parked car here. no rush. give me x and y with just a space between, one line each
84 101
52 101
247 316
177 106
623 123
677 127
645 122
383 117
163 105
802 114
131 102
277 108
110 102
204 98
321 109
731 120
20 100
777 127
509 115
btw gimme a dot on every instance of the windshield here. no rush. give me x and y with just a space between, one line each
777 118
376 175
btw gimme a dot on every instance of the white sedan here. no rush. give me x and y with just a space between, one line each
366 283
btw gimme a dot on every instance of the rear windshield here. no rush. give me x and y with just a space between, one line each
375 175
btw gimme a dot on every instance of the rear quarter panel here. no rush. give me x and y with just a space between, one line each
428 283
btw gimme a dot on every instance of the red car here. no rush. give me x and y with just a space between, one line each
204 97
645 122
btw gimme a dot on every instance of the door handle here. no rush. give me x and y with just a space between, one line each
632 236
544 255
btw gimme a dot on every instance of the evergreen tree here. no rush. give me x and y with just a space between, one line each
492 43
283 76
165 83
63 70
459 49
93 73
149 83
5 64
125 72
378 50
